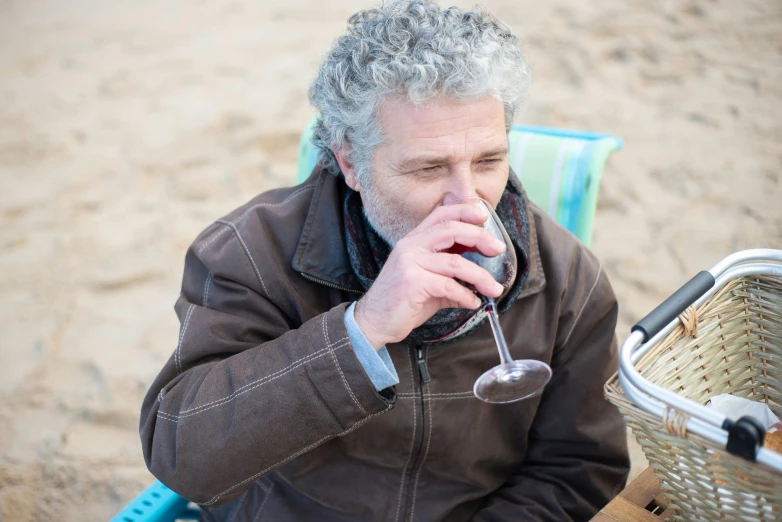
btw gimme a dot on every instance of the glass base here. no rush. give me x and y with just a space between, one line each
513 381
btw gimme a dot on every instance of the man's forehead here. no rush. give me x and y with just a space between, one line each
443 131
440 114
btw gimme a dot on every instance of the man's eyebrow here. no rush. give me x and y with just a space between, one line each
499 151
423 161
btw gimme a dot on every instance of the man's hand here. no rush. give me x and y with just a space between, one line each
419 279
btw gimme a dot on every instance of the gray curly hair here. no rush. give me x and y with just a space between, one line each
409 48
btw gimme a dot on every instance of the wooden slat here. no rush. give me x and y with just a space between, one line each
630 504
643 489
622 510
602 517
661 500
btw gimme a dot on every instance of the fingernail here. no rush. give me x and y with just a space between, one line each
500 244
481 210
477 302
498 288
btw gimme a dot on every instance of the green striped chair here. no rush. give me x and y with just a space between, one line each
560 170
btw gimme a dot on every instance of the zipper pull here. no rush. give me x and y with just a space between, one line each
422 368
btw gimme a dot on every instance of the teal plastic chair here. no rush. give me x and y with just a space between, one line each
157 503
560 170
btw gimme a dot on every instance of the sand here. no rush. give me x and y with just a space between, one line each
127 127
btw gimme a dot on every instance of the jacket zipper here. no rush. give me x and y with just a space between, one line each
423 369
423 377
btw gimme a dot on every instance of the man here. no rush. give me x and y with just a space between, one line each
327 353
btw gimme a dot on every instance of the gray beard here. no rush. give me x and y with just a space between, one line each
391 224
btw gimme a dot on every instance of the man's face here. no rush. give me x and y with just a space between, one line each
433 154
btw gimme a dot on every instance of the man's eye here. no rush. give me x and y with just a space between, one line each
431 169
490 161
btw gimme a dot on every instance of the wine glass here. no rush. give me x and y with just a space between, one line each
510 381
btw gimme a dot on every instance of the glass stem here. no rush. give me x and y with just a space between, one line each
491 310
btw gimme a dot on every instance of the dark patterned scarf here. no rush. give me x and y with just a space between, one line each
368 253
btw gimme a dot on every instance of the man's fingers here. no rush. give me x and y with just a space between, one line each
445 235
455 266
464 212
448 289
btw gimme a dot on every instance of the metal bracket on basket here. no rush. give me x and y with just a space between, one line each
743 437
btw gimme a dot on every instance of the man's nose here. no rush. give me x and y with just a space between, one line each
462 185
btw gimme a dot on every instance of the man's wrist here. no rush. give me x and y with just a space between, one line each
374 337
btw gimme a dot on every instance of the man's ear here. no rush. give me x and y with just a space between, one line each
347 168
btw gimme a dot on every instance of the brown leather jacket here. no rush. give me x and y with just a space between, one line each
263 411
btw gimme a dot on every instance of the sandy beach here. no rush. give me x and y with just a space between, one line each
127 127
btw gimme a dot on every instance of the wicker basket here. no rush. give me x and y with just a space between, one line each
732 343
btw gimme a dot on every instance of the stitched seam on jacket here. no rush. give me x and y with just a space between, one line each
178 352
223 222
249 255
274 205
211 239
247 387
239 506
250 386
426 450
288 459
412 443
436 396
426 398
268 494
427 395
206 288
583 306
339 368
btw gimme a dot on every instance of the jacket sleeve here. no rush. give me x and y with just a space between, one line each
577 459
249 386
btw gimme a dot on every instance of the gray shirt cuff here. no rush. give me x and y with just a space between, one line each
377 364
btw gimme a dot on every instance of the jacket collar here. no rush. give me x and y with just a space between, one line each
322 254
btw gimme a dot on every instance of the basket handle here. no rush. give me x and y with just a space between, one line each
672 307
